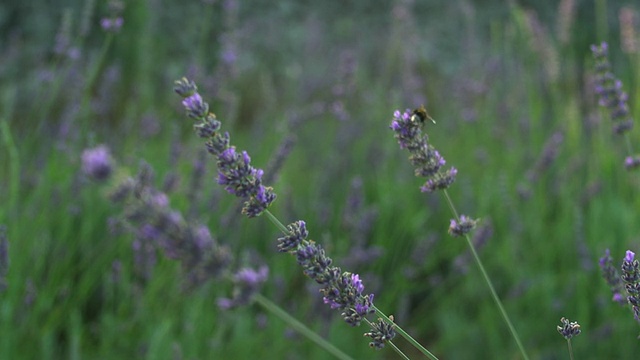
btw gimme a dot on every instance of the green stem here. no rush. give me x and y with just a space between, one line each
405 335
398 350
570 349
602 27
300 327
277 222
514 333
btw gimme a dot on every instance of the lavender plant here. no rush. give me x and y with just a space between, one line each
341 290
156 225
611 96
631 278
611 274
428 163
568 330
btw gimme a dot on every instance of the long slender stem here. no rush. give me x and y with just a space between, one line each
277 222
602 27
405 335
300 327
570 349
397 350
497 300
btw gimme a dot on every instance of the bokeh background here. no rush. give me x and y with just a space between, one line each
510 85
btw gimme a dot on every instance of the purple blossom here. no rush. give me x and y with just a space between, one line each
629 256
462 226
251 277
97 163
195 106
111 24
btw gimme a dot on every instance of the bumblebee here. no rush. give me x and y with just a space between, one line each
420 115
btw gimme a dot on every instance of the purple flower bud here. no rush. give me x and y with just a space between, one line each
195 106
630 255
97 163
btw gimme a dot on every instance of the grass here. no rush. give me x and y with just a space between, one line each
495 106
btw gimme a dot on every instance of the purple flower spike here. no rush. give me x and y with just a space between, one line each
462 227
612 276
609 90
426 160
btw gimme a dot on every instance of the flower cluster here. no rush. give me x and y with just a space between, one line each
631 278
609 90
568 329
235 172
297 233
425 158
154 222
381 332
462 226
612 276
341 290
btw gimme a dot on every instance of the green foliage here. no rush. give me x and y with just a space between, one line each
498 88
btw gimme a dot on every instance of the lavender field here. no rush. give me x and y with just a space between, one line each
226 179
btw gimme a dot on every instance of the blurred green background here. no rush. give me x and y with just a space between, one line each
509 83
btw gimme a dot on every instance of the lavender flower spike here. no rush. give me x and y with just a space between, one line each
631 277
426 160
381 332
611 274
609 90
235 172
569 329
459 228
